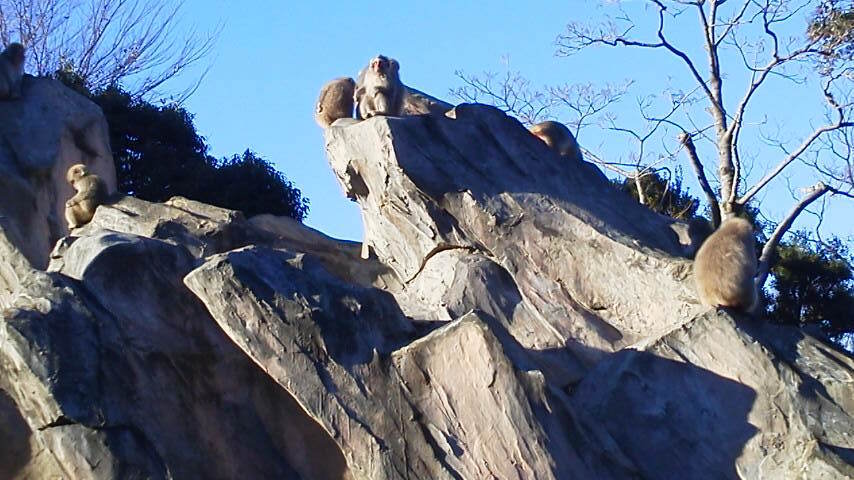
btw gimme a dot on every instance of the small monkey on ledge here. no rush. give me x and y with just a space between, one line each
91 192
725 267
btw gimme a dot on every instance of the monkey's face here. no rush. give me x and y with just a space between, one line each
383 65
76 172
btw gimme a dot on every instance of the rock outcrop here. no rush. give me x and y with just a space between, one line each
509 316
41 136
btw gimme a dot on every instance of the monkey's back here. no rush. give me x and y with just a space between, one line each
335 101
558 137
725 266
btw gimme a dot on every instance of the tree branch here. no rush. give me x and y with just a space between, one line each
770 248
840 123
789 159
686 140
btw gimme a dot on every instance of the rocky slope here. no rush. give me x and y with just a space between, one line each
509 316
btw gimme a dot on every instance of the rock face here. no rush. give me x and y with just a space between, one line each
41 135
510 316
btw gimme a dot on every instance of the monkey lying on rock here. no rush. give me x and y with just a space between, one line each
377 92
91 192
558 138
725 266
11 71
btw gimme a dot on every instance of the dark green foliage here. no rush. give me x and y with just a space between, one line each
158 155
269 191
663 196
814 284
157 152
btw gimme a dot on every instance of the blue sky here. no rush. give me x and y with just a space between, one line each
272 57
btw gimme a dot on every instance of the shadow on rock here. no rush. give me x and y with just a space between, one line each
351 322
671 418
15 452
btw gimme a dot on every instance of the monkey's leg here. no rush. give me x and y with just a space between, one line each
87 210
381 104
70 217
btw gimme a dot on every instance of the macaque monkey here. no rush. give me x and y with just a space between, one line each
11 71
335 101
558 138
379 90
725 267
91 192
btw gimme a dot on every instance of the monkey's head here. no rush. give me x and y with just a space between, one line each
76 172
384 65
738 226
15 53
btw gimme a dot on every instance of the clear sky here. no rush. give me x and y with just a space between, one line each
272 57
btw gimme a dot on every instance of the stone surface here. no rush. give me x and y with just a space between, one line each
41 136
595 270
509 316
128 375
718 398
395 412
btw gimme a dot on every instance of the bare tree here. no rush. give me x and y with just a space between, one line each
752 36
135 43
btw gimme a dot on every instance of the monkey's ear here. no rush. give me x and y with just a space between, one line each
393 65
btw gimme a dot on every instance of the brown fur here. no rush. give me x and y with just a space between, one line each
335 101
558 138
91 192
11 71
379 90
725 266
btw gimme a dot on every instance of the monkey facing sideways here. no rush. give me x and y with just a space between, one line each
725 267
11 71
335 101
91 192
379 90
558 138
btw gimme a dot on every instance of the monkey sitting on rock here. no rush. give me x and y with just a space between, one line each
558 138
11 71
377 92
335 101
725 267
91 192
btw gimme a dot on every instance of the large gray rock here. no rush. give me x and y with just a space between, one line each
473 213
41 135
589 268
126 375
510 316
719 398
395 412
